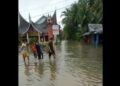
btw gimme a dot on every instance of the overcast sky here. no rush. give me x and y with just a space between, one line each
37 8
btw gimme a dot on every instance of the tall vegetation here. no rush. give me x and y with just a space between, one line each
79 15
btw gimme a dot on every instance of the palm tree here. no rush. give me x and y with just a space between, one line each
83 12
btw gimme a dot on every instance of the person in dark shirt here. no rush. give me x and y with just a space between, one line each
51 50
39 51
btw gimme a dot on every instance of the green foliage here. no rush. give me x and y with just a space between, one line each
82 12
32 39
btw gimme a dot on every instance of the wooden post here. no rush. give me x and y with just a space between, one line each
44 38
97 39
93 38
27 38
55 39
38 37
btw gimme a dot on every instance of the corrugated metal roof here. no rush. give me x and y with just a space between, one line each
54 19
87 33
95 28
40 25
23 25
41 20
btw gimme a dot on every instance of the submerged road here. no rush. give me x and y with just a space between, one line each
76 64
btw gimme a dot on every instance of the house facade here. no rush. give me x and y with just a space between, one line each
41 30
94 35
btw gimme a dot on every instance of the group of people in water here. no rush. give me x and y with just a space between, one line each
37 50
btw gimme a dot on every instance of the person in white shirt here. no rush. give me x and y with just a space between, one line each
25 53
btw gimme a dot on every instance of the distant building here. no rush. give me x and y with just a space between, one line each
39 30
94 35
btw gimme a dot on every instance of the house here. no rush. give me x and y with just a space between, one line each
39 30
94 35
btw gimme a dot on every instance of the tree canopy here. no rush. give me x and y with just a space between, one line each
79 15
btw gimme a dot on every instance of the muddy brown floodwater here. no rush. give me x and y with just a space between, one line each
76 64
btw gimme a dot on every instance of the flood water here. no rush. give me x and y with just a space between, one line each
76 64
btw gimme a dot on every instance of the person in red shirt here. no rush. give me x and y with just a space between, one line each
34 51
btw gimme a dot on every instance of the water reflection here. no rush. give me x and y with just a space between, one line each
39 68
52 69
35 63
76 64
27 70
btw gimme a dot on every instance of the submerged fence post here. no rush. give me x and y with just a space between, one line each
93 41
97 39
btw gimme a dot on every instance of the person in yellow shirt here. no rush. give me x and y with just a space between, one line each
25 54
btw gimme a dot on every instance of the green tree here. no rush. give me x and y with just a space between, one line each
81 13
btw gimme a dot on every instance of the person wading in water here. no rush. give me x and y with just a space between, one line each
39 51
51 49
25 54
34 50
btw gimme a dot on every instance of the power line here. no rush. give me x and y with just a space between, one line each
50 11
68 4
42 6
